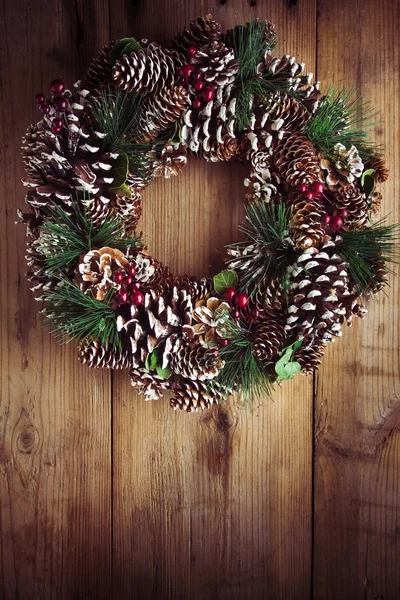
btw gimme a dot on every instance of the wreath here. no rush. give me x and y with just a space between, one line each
311 255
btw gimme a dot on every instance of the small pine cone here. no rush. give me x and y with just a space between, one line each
380 271
217 64
97 356
274 297
296 159
159 112
129 209
280 112
193 395
381 171
309 354
95 270
198 33
148 70
99 72
318 294
148 383
193 361
345 167
269 336
97 212
197 289
172 160
350 198
306 227
287 68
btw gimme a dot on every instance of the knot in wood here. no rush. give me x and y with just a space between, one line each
26 441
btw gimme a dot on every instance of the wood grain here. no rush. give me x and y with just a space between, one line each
357 402
215 505
55 449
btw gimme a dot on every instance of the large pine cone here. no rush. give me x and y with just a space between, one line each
217 64
198 33
97 356
269 336
193 361
159 112
279 111
306 223
193 395
296 159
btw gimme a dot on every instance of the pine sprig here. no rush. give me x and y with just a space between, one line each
365 249
342 118
73 315
267 251
64 237
241 367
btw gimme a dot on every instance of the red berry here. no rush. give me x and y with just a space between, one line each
241 300
136 285
223 343
61 104
326 219
40 98
57 86
58 122
197 75
309 195
208 94
317 188
255 313
229 293
198 86
122 297
56 128
131 270
128 281
196 103
118 277
343 213
192 50
303 188
235 314
336 223
137 298
187 70
45 109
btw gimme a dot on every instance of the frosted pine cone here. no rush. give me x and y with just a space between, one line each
306 227
193 395
148 383
173 159
269 336
296 159
96 269
159 112
217 64
193 361
198 33
97 356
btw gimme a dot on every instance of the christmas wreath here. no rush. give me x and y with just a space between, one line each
311 255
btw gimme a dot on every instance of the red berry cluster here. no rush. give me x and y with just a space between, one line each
129 291
240 308
316 190
58 100
192 76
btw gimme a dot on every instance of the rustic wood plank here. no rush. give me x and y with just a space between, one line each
357 404
216 505
54 415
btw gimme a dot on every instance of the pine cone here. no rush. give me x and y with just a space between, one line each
127 208
97 356
197 289
351 199
191 395
147 71
209 317
96 269
172 160
269 336
296 159
193 361
306 227
288 70
217 64
345 167
280 112
99 71
377 163
159 112
198 33
319 294
309 354
149 383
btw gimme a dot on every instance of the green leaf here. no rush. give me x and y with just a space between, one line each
124 190
164 373
224 280
152 361
123 46
292 368
367 172
282 362
368 182
286 367
120 172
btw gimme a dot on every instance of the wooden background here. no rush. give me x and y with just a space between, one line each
102 494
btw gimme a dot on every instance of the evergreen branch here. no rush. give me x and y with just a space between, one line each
267 251
64 237
241 367
73 315
342 118
365 249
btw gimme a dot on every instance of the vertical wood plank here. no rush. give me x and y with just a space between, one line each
215 505
357 403
54 415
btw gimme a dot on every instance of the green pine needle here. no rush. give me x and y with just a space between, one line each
65 237
342 118
266 227
241 367
364 249
73 315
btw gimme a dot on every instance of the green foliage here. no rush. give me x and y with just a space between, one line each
342 118
267 251
368 182
73 315
286 367
123 46
224 280
154 363
363 249
241 368
64 237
